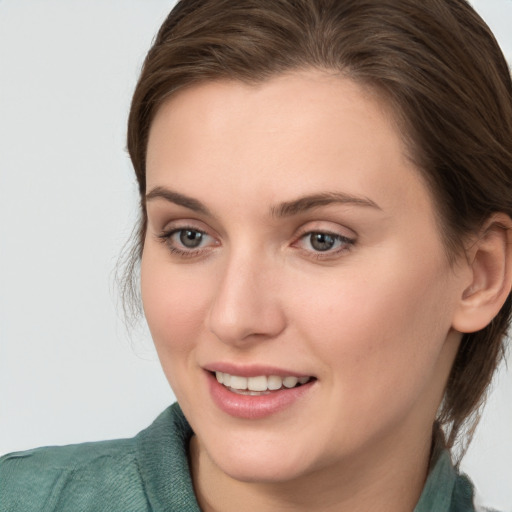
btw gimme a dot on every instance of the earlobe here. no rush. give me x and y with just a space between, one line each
490 265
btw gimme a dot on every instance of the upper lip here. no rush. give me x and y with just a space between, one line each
252 370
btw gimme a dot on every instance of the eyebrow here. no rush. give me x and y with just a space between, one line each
179 199
310 202
285 209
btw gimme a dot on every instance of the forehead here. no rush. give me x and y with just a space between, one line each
294 134
298 93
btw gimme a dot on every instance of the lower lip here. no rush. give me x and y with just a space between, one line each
254 407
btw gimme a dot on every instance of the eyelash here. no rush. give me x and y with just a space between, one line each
346 243
166 236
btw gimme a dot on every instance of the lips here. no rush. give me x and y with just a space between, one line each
256 392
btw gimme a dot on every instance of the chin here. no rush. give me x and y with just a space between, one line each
259 462
261 471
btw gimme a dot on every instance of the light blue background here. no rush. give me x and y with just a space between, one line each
68 370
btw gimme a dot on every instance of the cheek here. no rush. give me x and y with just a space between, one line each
174 304
383 328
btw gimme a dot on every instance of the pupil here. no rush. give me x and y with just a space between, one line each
190 238
322 241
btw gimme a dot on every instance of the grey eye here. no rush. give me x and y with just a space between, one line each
322 241
190 238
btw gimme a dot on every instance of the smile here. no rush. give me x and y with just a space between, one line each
257 394
260 384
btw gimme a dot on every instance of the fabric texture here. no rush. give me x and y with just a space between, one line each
150 472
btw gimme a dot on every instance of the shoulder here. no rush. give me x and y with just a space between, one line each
446 489
148 472
74 477
464 496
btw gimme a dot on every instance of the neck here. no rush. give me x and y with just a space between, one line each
390 478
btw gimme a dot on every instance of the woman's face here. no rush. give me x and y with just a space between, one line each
290 240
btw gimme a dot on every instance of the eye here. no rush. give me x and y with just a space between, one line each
190 238
187 241
324 242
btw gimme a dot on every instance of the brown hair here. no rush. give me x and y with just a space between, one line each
435 61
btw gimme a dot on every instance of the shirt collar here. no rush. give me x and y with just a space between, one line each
445 490
438 491
163 463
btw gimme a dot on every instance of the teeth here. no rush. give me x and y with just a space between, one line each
290 382
275 382
257 383
238 382
261 383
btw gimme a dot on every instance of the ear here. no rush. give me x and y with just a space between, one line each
489 259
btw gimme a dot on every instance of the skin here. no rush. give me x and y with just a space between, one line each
372 320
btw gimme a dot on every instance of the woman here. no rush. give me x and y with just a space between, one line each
325 260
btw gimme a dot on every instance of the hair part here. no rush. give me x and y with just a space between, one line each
435 62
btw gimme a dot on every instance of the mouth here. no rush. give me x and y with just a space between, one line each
259 385
256 392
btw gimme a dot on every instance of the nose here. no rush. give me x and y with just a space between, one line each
246 305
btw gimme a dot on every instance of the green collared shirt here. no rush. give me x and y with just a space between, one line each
150 472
